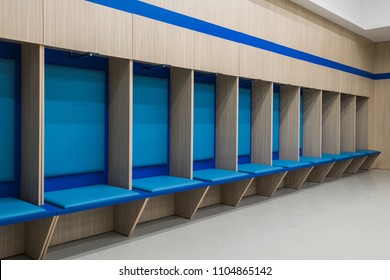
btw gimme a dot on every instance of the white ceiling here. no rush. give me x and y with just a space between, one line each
369 18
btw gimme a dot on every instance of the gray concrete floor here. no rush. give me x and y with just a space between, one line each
346 218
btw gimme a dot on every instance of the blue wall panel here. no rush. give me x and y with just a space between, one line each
204 121
275 128
244 122
7 120
150 121
74 120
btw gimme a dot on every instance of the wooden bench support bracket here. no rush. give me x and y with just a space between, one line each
355 165
127 215
369 162
38 235
188 202
232 193
319 172
267 185
295 179
339 168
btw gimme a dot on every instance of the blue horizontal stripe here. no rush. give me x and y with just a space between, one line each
382 76
191 23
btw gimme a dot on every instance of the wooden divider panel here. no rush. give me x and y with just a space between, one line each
348 123
32 146
181 110
361 123
312 123
289 123
120 118
262 100
330 123
227 122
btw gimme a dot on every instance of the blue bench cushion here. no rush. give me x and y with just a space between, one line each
291 164
354 154
316 160
259 169
13 211
219 175
166 184
13 208
337 157
369 152
91 197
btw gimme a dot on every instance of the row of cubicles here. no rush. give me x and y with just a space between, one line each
92 144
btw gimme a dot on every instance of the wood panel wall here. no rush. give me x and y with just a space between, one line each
282 22
378 108
22 20
285 23
78 25
86 27
162 43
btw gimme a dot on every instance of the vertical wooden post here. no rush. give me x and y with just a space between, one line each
120 122
348 123
330 123
182 122
289 123
312 123
261 144
32 143
227 122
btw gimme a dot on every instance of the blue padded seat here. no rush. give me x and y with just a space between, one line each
84 198
291 165
13 210
260 169
354 154
337 157
165 184
219 176
315 160
369 152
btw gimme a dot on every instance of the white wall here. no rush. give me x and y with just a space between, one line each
350 10
367 14
375 13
